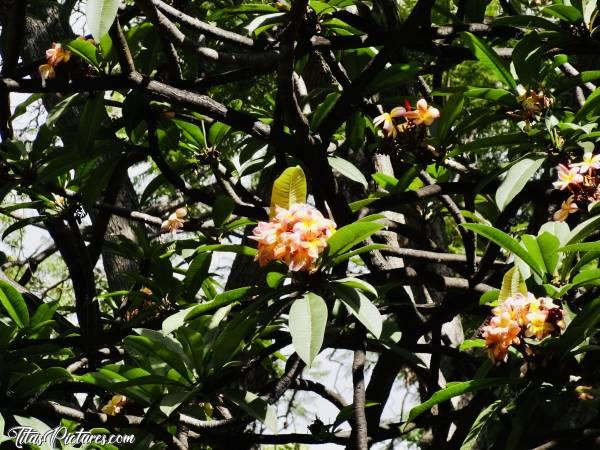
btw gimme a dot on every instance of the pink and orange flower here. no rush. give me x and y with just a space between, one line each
296 236
500 334
588 163
567 176
566 208
175 221
114 405
423 115
518 317
386 121
57 54
54 56
582 180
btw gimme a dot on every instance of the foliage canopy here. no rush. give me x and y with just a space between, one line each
230 191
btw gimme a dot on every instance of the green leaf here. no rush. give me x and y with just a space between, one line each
256 407
14 304
527 58
565 13
391 76
288 189
197 272
37 382
586 276
580 327
274 279
155 345
472 343
60 108
549 244
495 95
454 389
581 247
346 413
501 140
228 248
323 110
217 132
22 107
505 241
591 105
223 299
480 426
361 307
488 57
576 235
307 322
355 131
91 120
110 375
175 321
385 181
534 250
193 133
222 209
512 284
22 224
347 169
358 251
347 237
527 22
490 297
100 15
558 229
452 110
492 94
516 179
357 283
85 50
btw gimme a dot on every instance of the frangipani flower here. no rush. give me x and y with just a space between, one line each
386 121
174 222
567 207
516 306
590 161
54 56
424 114
57 54
567 177
296 236
114 406
500 334
520 316
46 72
534 103
544 318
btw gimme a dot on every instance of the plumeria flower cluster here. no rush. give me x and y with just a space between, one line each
401 118
536 103
297 236
114 405
518 317
581 179
174 222
533 104
54 56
